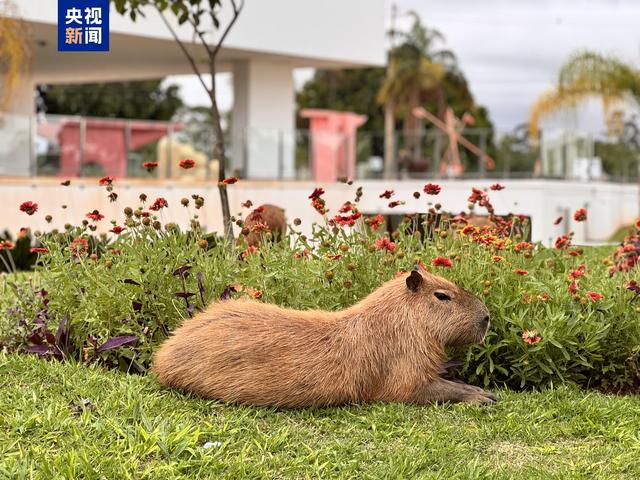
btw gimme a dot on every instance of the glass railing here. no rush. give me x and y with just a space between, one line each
71 147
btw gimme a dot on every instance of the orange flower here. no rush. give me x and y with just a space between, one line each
105 181
496 187
117 229
79 246
497 258
7 245
519 271
150 166
250 249
39 250
522 246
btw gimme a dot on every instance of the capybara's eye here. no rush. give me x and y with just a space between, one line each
442 296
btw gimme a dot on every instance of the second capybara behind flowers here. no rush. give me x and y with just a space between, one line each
270 216
389 347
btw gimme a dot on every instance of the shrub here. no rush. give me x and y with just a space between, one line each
558 314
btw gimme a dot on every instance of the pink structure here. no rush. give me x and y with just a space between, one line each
333 143
106 143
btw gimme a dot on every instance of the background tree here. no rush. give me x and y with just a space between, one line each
14 50
145 100
425 74
587 74
203 16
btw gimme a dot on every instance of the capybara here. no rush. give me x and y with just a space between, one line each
389 347
269 215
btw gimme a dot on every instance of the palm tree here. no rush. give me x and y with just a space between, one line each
14 51
587 74
415 71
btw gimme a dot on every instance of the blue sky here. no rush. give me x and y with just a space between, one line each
510 50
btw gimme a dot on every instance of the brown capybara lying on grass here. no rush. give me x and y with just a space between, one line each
388 347
269 215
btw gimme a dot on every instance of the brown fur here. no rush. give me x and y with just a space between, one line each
272 216
388 347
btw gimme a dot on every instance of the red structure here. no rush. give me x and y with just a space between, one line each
106 142
333 143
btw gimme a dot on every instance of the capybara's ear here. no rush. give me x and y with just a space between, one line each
414 280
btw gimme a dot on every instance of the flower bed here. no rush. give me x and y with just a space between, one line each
564 314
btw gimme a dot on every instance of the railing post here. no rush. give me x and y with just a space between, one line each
170 153
280 154
82 139
483 147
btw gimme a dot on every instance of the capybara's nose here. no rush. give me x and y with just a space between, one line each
485 320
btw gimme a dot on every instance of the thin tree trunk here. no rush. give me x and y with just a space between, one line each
389 140
219 154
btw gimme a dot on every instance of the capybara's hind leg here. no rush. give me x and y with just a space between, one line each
441 390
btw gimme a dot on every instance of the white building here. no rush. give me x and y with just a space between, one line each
269 41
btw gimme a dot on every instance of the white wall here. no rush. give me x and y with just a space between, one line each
610 206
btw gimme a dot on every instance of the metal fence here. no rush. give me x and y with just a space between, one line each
69 146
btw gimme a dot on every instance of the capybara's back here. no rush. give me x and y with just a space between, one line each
387 347
248 352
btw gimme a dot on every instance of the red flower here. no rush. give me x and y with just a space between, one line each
150 166
468 229
476 195
557 221
442 262
117 229
519 271
595 296
573 287
158 204
579 272
96 216
432 189
385 244
319 191
187 163
575 253
247 204
302 254
7 245
347 207
106 181
497 258
39 250
336 256
580 215
531 336
395 203
66 183
347 220
387 194
496 187
375 222
638 224
230 180
113 196
29 208
563 242
79 246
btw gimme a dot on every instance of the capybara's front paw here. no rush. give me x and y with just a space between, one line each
478 396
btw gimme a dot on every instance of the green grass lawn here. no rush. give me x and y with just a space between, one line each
65 421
